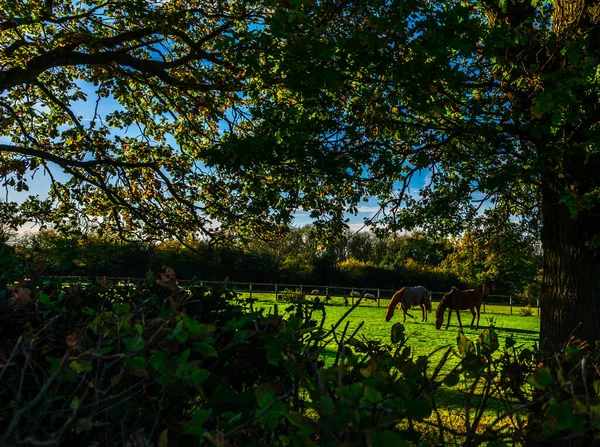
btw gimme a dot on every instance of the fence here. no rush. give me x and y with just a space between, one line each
500 304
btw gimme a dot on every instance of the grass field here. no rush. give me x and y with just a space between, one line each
423 338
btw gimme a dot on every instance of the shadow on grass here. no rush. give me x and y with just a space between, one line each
455 400
517 331
496 328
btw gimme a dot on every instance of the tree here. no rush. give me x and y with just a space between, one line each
248 112
124 98
497 100
359 246
504 258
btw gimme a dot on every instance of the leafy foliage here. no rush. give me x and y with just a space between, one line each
244 112
157 363
504 258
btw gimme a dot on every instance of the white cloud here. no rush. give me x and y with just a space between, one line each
368 209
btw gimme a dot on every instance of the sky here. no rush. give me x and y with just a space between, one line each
40 183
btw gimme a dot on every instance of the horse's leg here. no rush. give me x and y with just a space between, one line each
472 309
449 315
478 315
404 311
458 316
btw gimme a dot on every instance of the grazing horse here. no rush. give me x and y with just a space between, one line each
407 297
460 300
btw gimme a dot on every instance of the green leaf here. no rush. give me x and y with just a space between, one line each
397 334
372 395
465 346
81 365
305 426
451 379
559 416
74 403
265 394
193 326
159 359
419 409
199 417
137 362
488 340
205 349
273 349
122 308
44 299
133 344
596 386
541 379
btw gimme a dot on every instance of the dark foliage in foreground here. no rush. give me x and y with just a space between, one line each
158 365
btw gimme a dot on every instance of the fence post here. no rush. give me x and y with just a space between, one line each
378 299
537 304
275 291
326 291
301 288
484 307
510 303
250 289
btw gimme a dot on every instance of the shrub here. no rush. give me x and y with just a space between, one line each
155 364
527 311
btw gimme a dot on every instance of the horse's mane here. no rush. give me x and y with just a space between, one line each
389 313
443 302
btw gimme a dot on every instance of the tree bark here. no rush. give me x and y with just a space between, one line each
570 297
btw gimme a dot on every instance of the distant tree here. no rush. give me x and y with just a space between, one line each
360 246
417 247
504 258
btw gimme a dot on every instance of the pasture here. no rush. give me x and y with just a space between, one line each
423 338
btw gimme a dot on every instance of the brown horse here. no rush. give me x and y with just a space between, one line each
460 300
407 297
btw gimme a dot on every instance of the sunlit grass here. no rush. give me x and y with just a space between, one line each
422 337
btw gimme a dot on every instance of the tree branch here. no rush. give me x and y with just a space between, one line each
64 162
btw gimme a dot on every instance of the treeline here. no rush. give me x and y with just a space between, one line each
507 261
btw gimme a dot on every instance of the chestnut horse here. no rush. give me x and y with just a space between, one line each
407 297
460 300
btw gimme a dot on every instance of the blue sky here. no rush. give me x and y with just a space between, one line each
40 183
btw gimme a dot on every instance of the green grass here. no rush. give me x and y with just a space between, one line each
423 338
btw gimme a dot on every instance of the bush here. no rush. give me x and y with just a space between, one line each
155 364
527 311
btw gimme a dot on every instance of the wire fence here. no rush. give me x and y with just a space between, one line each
336 295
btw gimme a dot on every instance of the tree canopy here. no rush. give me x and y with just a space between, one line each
228 116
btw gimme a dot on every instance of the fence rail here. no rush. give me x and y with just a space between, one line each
493 303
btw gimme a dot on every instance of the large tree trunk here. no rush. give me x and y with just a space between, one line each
570 300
